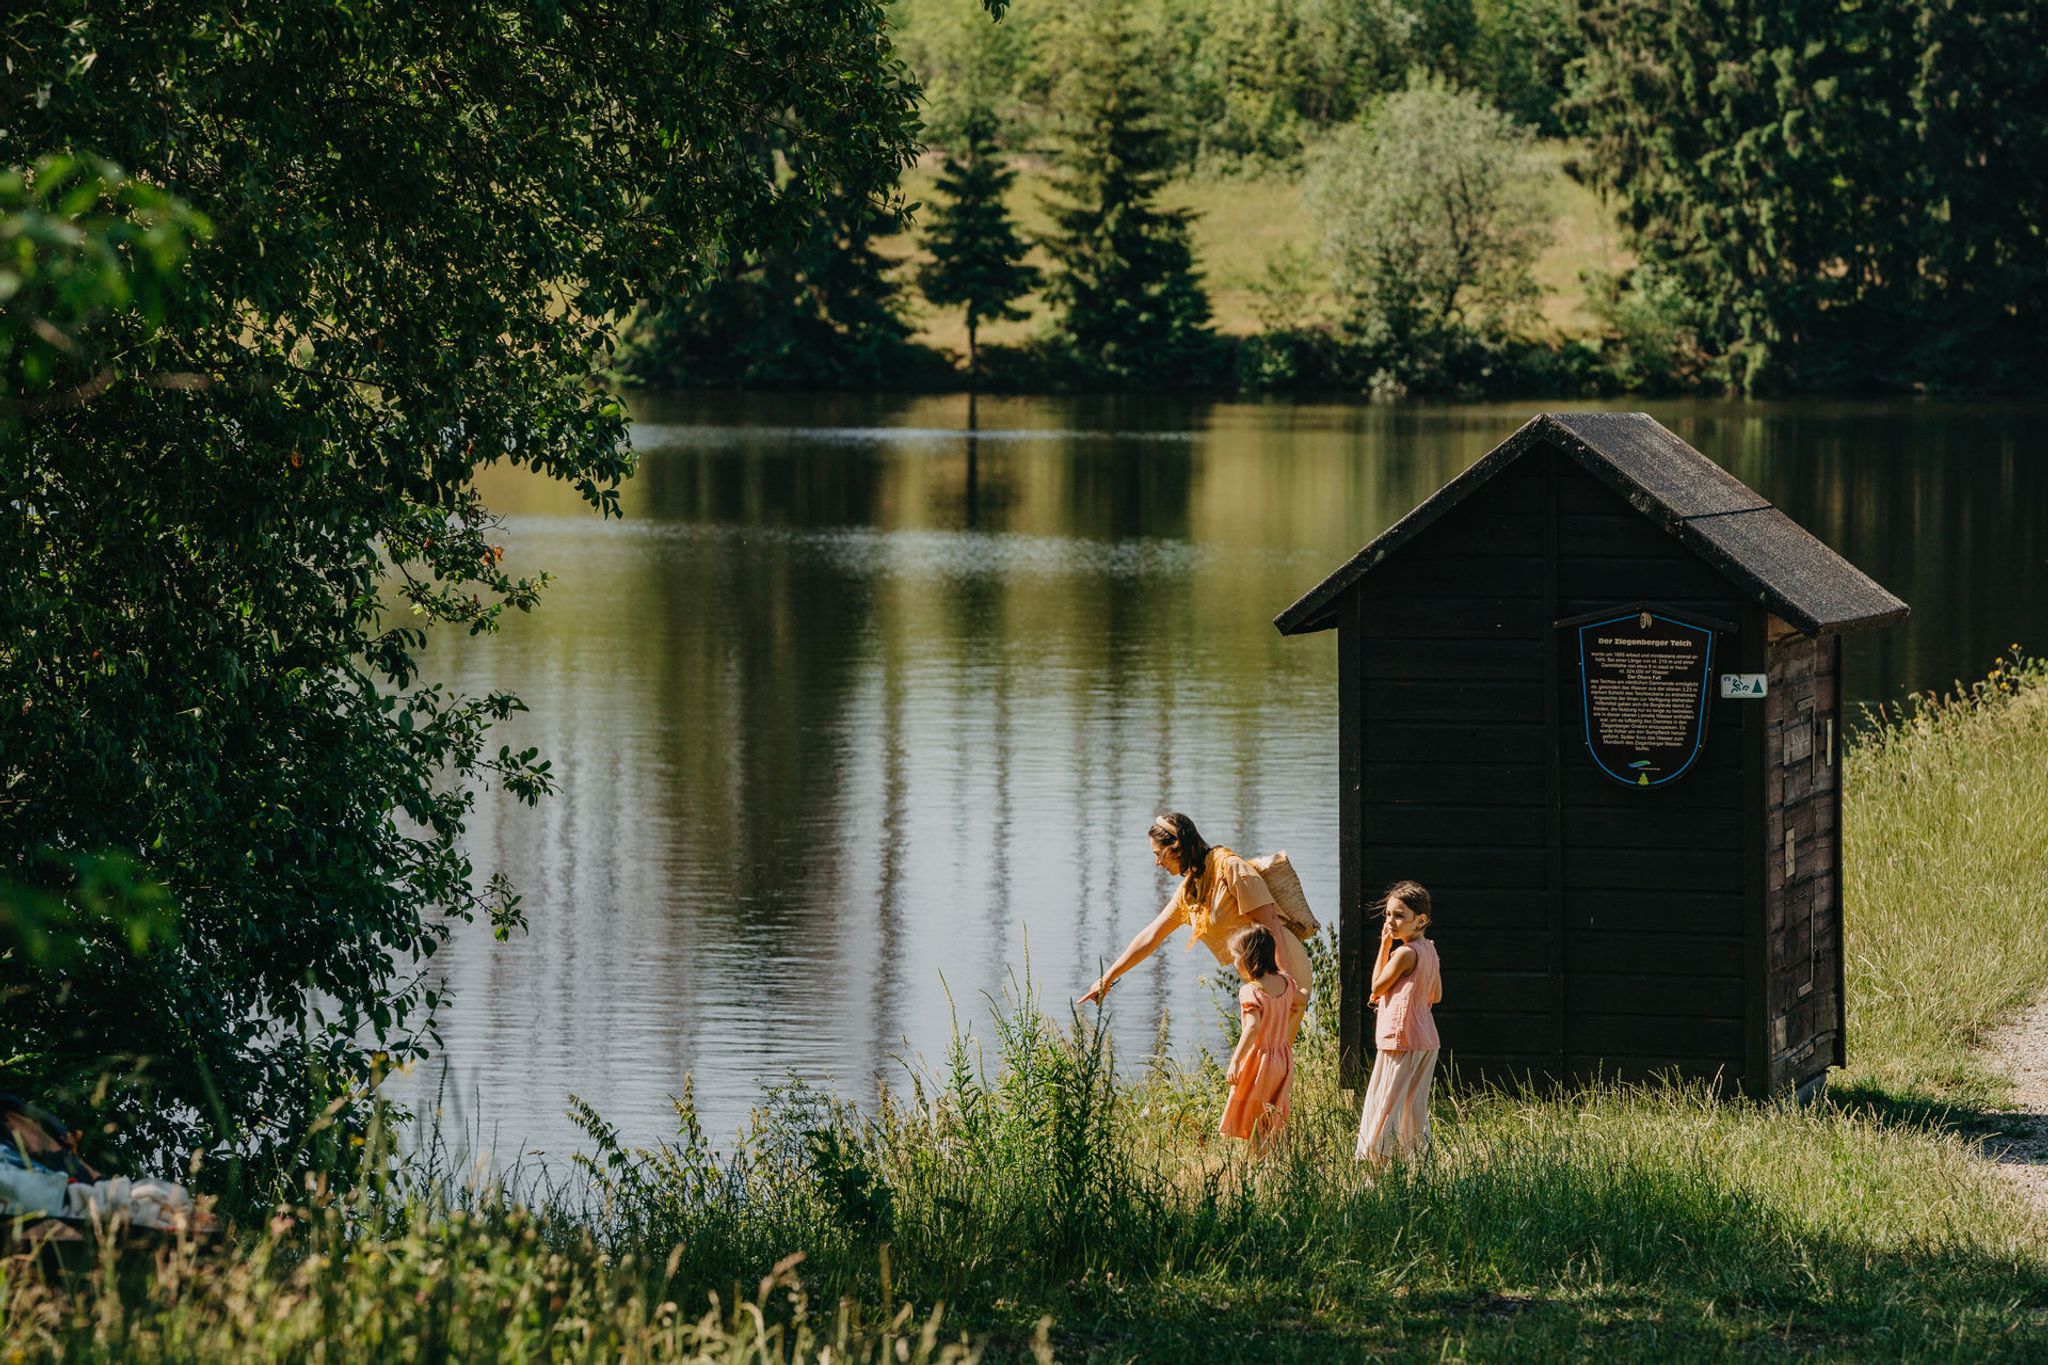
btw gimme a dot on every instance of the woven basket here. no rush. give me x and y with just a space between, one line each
1288 902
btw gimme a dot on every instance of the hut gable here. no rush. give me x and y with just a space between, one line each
1770 558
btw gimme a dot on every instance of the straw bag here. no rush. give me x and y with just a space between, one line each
1288 902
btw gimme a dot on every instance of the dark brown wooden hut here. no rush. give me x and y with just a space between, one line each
1675 911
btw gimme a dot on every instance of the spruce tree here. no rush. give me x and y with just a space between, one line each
1831 195
1132 306
976 251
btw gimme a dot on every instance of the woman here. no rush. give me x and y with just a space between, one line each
1219 894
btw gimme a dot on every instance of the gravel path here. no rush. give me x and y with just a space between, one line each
2021 1052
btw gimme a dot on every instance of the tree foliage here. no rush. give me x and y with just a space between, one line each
977 255
1132 308
80 239
1835 195
1240 81
1432 219
822 310
217 568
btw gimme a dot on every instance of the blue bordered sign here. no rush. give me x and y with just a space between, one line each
1643 692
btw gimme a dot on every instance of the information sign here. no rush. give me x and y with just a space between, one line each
1643 686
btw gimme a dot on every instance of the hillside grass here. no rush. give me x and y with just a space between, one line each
1243 222
1037 1201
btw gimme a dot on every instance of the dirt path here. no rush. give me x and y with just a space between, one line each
2020 1050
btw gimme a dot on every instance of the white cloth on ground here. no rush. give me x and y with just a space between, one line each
155 1204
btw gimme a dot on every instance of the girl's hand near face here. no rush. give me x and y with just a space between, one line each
1387 942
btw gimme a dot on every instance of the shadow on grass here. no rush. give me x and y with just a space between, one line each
2006 1133
1614 1323
1538 1259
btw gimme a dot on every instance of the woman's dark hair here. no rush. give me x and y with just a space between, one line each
1254 950
1175 831
1414 895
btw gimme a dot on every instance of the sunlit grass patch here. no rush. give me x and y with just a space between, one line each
1945 853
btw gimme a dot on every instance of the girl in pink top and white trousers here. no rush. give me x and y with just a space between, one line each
1407 979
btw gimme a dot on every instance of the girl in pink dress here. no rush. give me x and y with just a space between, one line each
1261 1072
1406 981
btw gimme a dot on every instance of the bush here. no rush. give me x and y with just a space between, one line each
1432 221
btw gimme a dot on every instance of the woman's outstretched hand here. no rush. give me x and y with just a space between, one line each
1095 993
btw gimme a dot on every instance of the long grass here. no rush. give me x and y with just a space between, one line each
1045 1202
1945 849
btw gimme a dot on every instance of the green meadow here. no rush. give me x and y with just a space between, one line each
1037 1198
1244 223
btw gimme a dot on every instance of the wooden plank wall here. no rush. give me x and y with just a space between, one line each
1585 927
1455 774
1802 883
1653 880
1355 932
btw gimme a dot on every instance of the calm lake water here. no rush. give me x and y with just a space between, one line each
855 716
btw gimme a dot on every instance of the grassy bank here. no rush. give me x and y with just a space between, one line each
1058 1206
1945 842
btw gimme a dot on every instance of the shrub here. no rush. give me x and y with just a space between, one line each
1432 221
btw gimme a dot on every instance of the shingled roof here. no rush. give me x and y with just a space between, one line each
1724 521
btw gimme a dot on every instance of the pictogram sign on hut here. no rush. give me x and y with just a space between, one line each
1589 694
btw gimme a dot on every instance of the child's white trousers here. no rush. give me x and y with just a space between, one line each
1396 1118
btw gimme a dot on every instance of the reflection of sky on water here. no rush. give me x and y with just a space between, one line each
821 746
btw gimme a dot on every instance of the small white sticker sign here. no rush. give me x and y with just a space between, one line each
1742 685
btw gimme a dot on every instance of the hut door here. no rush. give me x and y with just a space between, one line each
1799 746
1801 887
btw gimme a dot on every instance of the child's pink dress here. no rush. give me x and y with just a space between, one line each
1259 1096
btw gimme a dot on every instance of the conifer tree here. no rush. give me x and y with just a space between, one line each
1132 306
977 254
1832 195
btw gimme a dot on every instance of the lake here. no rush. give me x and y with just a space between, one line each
859 719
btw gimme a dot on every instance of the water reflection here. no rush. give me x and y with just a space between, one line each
855 701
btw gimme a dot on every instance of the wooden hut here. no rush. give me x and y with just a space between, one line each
1589 694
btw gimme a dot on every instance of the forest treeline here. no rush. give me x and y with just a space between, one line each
1812 196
